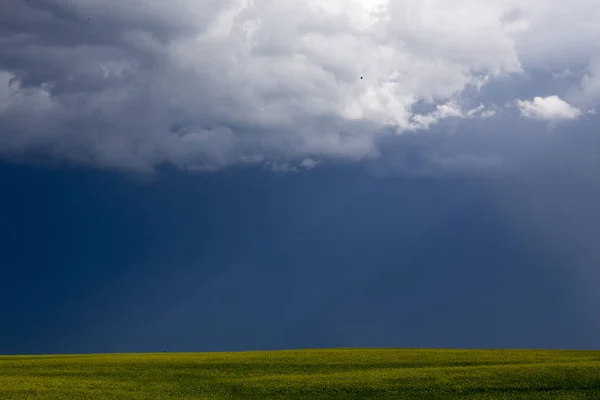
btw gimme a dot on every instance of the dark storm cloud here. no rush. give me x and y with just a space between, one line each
49 41
136 84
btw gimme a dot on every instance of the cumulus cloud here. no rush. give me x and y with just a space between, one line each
446 111
548 108
133 84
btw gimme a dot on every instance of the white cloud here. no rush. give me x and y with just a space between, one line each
447 110
284 167
442 111
548 108
557 37
205 85
308 163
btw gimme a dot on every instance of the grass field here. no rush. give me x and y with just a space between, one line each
306 374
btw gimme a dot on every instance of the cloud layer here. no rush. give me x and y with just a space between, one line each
134 84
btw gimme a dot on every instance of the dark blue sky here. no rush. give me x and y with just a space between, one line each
98 262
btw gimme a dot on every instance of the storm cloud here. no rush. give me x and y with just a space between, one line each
132 85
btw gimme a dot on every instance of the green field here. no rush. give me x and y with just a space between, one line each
306 374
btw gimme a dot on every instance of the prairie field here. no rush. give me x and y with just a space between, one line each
306 374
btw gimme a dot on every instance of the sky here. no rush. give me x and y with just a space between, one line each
242 175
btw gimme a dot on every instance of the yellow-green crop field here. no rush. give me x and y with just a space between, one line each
306 374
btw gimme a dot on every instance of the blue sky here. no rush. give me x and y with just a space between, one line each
250 175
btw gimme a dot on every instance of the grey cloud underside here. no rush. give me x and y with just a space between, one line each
135 84
144 113
85 112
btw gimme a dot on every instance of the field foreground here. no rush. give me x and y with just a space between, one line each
306 374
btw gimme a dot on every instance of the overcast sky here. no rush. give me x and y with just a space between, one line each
325 152
135 84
